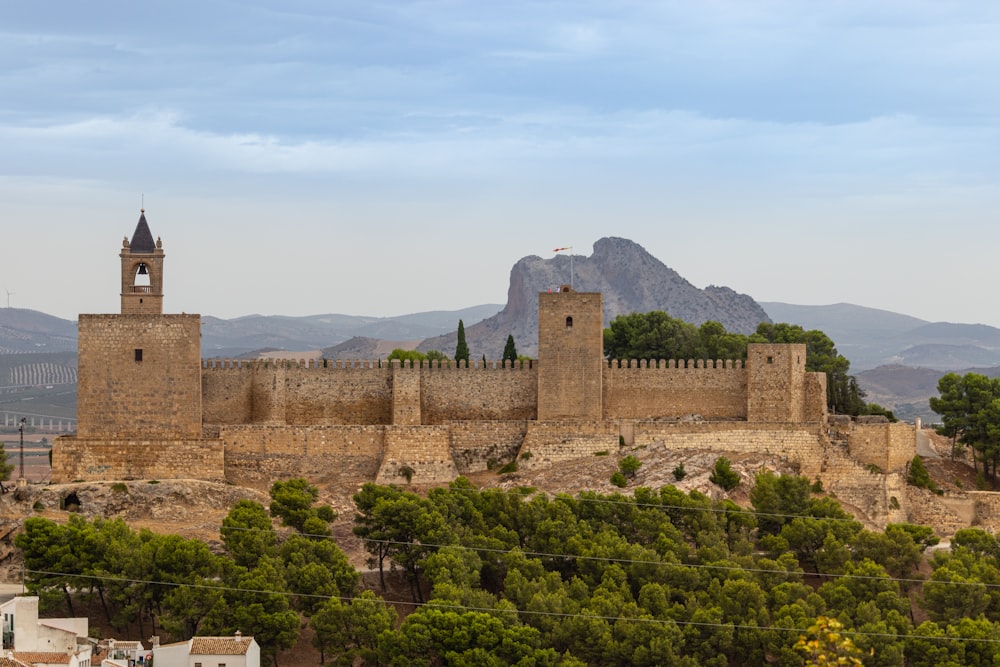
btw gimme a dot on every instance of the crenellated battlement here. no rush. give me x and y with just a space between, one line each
678 364
218 363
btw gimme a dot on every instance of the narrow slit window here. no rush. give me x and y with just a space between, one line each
770 360
569 322
138 354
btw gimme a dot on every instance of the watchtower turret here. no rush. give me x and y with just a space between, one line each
142 272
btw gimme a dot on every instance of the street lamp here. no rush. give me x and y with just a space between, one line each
20 427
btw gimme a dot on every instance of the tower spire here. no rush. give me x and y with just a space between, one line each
142 272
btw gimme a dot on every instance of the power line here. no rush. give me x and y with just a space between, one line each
451 606
633 561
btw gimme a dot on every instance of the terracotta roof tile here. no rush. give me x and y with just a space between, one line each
49 657
12 662
220 645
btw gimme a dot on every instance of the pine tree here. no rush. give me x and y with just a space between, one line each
509 351
462 348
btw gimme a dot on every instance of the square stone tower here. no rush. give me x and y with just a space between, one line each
570 355
776 382
139 398
140 372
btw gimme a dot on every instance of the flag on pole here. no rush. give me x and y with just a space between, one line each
569 247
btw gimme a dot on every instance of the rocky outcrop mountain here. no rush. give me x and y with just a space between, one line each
631 280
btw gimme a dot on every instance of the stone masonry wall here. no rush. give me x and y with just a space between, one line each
802 443
297 392
715 390
546 443
345 456
491 393
814 409
139 375
986 505
416 453
78 458
479 446
227 391
889 446
293 392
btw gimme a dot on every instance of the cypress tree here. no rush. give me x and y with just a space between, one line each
462 348
509 351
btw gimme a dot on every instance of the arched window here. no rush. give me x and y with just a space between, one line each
569 321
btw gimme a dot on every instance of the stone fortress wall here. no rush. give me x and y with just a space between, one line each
150 408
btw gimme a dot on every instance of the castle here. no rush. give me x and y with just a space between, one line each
151 408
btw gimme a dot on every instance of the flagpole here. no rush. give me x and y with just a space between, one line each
570 248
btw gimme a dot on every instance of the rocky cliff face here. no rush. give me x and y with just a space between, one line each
632 281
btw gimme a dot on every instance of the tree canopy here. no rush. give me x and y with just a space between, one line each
969 406
461 347
514 577
509 350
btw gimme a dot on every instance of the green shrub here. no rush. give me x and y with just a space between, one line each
508 468
407 472
525 456
119 487
38 506
603 452
817 486
618 479
154 481
919 477
679 472
621 440
894 502
723 474
629 466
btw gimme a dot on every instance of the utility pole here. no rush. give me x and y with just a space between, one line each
21 481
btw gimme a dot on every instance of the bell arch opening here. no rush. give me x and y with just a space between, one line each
140 279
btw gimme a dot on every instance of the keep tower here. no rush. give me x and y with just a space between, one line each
139 394
142 272
570 355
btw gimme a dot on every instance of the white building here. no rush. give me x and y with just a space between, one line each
236 651
124 653
46 641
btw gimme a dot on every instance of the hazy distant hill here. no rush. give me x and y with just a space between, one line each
870 337
236 337
898 359
23 330
631 280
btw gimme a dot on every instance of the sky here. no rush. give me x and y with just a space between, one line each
383 158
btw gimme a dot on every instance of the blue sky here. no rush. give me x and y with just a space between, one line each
383 158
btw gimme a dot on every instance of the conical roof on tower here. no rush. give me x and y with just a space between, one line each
142 239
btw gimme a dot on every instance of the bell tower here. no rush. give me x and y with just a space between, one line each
142 272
